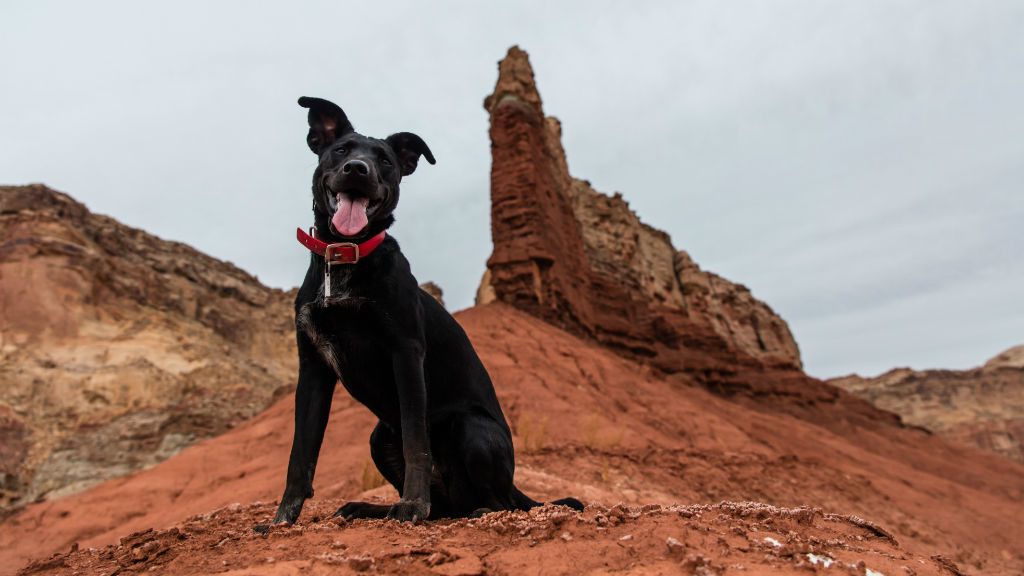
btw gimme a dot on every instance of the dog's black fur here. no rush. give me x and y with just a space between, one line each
441 440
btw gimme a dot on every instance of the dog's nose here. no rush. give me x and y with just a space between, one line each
357 167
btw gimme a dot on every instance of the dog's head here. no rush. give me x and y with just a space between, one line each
355 185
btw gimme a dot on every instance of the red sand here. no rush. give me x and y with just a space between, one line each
726 538
588 424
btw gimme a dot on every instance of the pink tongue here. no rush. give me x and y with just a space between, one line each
350 219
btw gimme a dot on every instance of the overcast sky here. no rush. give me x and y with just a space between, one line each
859 165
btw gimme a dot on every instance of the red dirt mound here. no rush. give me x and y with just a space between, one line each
717 539
587 423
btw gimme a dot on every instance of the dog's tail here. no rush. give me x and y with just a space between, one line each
521 501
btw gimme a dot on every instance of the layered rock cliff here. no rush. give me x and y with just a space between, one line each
584 261
982 407
118 348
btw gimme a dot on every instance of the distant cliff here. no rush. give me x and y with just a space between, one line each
118 348
982 407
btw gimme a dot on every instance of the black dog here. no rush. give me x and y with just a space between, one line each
442 440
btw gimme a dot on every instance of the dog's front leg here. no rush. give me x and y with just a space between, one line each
407 361
312 409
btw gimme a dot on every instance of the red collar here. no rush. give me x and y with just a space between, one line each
340 252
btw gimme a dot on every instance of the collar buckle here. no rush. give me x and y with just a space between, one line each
341 253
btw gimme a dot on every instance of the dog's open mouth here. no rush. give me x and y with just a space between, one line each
351 216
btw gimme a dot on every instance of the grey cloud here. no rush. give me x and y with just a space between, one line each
857 164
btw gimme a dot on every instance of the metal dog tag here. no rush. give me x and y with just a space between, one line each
327 280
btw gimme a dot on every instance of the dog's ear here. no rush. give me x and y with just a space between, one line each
327 122
409 147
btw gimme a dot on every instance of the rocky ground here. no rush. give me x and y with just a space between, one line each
724 538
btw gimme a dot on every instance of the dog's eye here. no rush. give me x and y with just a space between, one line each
339 151
385 161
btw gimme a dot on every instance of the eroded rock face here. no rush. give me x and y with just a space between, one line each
15 441
434 290
748 323
118 349
583 260
982 407
538 261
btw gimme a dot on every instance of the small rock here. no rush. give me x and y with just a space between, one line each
360 563
675 547
698 565
437 558
618 512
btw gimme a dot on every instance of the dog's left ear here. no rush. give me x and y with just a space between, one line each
409 147
327 123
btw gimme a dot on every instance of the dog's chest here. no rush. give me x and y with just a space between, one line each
345 325
335 284
347 335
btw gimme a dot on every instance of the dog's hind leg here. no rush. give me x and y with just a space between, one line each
485 483
481 467
312 410
386 451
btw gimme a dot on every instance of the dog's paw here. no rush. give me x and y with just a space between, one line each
288 512
356 510
409 511
479 512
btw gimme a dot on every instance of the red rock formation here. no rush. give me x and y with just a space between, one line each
118 348
982 407
538 262
584 261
